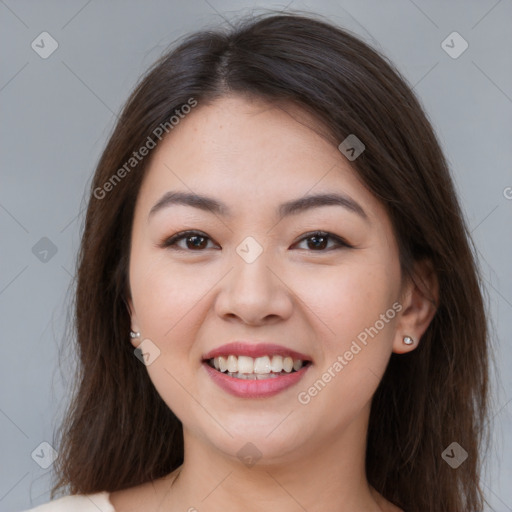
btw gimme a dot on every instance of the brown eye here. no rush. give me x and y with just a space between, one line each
194 241
319 240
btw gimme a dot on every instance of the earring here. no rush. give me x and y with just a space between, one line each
134 334
407 340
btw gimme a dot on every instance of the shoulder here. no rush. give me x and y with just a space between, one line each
78 503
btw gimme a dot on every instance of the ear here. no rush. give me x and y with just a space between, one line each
420 299
133 320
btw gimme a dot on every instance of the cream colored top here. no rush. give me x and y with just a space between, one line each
98 502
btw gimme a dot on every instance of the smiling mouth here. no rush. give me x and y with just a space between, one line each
259 368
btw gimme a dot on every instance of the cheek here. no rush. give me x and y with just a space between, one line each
356 304
167 300
349 298
164 294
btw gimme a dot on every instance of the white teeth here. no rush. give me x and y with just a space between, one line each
262 365
288 364
277 364
232 364
255 376
245 364
223 365
256 368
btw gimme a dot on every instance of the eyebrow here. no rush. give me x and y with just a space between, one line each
292 207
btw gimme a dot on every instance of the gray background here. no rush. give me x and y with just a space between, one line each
58 112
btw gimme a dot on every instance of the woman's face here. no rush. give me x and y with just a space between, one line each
255 273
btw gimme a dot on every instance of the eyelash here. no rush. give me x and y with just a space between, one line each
170 243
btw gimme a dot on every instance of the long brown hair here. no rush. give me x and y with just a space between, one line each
118 432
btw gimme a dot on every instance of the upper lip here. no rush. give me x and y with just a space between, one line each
245 348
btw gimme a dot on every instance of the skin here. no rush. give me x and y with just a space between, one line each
254 156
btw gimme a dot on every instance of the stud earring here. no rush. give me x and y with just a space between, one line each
407 340
134 334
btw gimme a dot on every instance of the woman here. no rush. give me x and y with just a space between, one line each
277 304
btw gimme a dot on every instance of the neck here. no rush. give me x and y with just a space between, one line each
326 474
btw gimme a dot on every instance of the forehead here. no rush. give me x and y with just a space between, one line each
250 152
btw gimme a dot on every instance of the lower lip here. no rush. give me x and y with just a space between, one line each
255 388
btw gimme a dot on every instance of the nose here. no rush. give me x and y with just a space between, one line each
254 293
